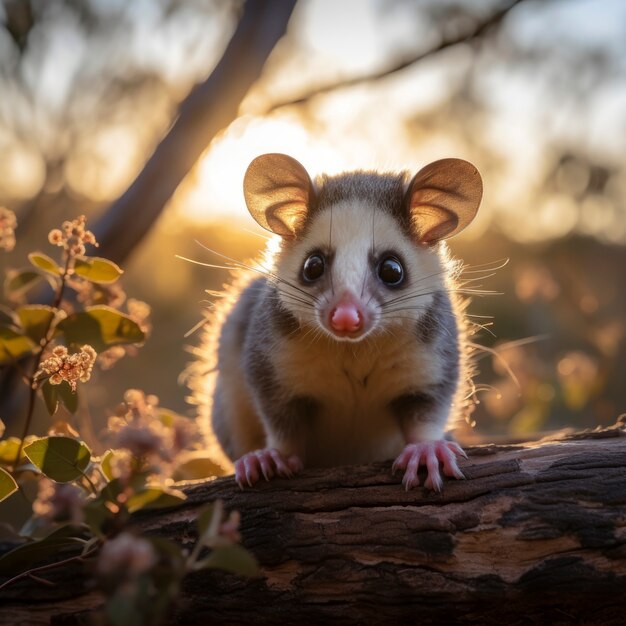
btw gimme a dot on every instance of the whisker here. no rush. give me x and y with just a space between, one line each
515 344
260 270
254 232
196 327
471 280
484 327
502 263
500 358
203 264
214 293
330 248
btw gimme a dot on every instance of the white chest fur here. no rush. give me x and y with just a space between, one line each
352 385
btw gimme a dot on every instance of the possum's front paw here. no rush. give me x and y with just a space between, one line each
268 463
429 453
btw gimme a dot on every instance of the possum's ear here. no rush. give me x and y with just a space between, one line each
278 193
443 199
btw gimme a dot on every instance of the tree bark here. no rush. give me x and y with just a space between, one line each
535 534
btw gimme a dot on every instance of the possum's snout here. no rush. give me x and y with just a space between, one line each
348 318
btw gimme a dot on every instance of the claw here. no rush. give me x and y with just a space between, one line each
456 448
266 468
266 462
429 454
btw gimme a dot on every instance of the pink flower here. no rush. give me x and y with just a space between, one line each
127 556
8 223
73 236
72 368
58 502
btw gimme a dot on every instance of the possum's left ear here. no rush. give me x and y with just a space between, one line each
443 199
278 193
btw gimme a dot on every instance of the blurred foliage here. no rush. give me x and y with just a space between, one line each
83 500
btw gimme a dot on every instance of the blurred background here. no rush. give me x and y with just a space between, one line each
144 115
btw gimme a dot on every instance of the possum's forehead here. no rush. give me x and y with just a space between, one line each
356 228
385 191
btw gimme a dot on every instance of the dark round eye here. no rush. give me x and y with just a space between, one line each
313 267
390 271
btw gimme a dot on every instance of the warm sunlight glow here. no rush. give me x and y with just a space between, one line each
23 171
102 166
214 188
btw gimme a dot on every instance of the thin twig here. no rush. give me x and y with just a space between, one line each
43 581
44 344
445 43
42 568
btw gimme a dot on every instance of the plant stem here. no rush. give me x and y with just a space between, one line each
91 484
29 573
44 344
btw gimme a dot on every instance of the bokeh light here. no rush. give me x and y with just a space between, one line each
537 102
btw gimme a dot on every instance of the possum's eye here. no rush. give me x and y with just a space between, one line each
390 271
313 267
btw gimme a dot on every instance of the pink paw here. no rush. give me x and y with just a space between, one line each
429 453
268 462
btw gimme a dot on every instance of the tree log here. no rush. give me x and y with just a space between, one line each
535 534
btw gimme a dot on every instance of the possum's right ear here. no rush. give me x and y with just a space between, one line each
278 193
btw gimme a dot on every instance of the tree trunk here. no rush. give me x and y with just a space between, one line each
209 108
536 534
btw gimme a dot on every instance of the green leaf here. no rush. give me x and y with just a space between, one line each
50 397
7 316
61 458
121 610
101 517
195 467
45 263
204 519
8 450
7 485
169 550
97 270
234 559
14 345
35 319
101 327
105 464
68 397
21 282
98 516
155 498
32 553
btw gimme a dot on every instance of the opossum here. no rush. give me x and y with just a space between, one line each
347 346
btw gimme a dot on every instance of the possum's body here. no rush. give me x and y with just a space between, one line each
341 394
346 367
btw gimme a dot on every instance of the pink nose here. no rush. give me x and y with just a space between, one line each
346 318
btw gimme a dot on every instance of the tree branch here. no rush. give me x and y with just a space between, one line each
536 534
211 106
480 29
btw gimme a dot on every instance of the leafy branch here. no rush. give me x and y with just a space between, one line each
81 494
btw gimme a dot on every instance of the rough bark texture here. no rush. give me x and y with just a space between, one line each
536 534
